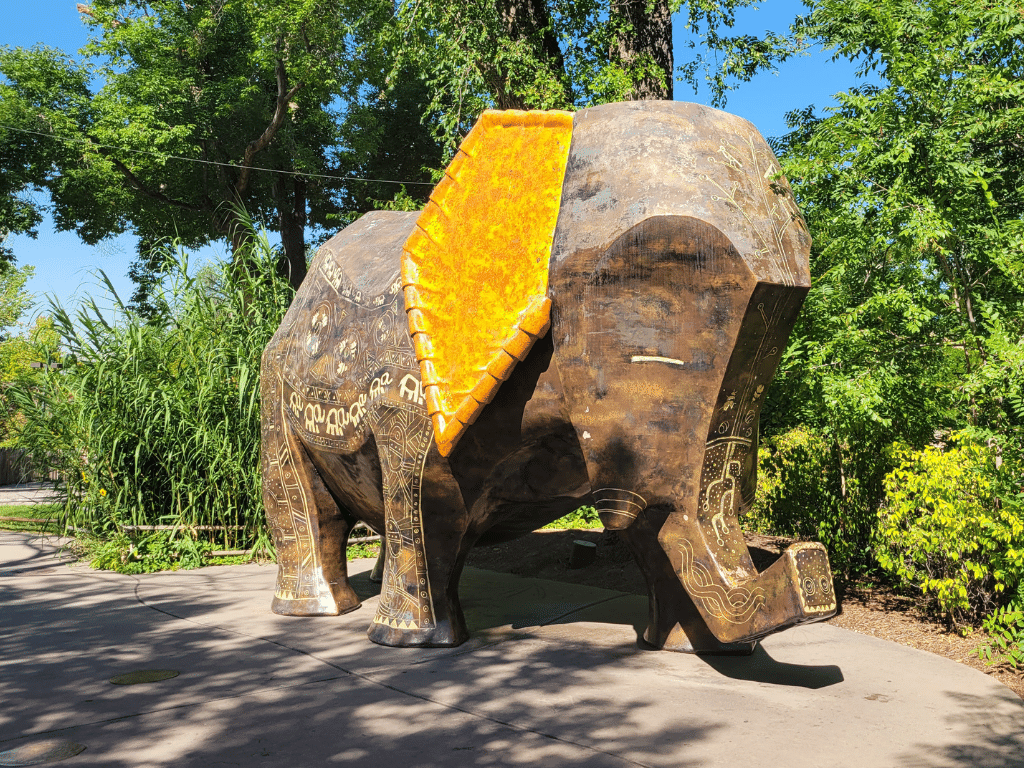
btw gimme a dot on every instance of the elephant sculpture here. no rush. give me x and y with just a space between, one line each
588 311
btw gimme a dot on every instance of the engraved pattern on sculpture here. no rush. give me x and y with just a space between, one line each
781 208
733 437
287 505
816 593
404 435
734 605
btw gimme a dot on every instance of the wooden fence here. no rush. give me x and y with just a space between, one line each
14 470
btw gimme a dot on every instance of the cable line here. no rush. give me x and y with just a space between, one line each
165 156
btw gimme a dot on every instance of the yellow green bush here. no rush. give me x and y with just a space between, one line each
812 487
948 526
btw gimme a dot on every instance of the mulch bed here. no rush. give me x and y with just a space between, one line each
870 610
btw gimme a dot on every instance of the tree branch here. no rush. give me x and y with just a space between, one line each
284 95
137 183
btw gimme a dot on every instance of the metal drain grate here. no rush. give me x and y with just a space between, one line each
144 676
39 752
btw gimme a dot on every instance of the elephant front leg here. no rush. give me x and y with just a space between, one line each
424 526
675 622
309 529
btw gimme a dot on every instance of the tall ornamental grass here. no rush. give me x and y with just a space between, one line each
155 420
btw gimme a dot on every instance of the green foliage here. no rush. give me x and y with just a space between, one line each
14 299
582 518
914 326
1005 630
19 347
813 488
157 551
363 550
157 421
913 193
402 201
158 125
565 54
384 136
59 88
945 528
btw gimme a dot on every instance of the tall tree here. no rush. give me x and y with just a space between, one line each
565 54
201 108
913 192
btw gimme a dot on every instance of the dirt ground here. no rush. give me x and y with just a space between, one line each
871 611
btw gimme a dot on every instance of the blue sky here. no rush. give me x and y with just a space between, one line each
63 264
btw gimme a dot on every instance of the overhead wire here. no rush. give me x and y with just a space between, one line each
166 156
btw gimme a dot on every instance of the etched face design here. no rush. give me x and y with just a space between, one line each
346 353
319 330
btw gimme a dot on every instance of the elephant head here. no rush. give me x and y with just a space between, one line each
664 250
679 264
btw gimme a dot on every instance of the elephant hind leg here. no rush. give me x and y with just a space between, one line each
309 528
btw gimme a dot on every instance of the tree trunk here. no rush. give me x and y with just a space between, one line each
523 20
646 30
291 216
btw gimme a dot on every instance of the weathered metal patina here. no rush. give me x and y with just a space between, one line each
588 311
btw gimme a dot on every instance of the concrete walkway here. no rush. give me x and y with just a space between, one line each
553 676
26 493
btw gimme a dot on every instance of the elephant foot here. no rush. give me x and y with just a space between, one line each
377 574
310 606
323 599
702 644
795 589
397 634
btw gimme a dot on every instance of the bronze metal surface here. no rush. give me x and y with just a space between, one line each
678 266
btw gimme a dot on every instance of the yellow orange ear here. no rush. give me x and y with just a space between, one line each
475 268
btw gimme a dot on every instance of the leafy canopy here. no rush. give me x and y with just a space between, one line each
566 54
166 123
912 188
913 193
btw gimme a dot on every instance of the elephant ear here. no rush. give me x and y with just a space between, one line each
475 268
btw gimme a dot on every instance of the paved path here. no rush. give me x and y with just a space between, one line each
26 493
552 676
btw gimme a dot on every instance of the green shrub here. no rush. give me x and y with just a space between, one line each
1005 630
157 551
947 528
156 419
810 487
584 517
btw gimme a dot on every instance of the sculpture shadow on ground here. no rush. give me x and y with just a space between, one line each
257 688
760 667
494 601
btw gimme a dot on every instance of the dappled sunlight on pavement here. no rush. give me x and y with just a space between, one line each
553 675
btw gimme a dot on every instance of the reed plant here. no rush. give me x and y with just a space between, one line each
155 419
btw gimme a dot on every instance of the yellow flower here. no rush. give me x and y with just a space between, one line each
103 491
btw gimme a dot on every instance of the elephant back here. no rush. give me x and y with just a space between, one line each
344 344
